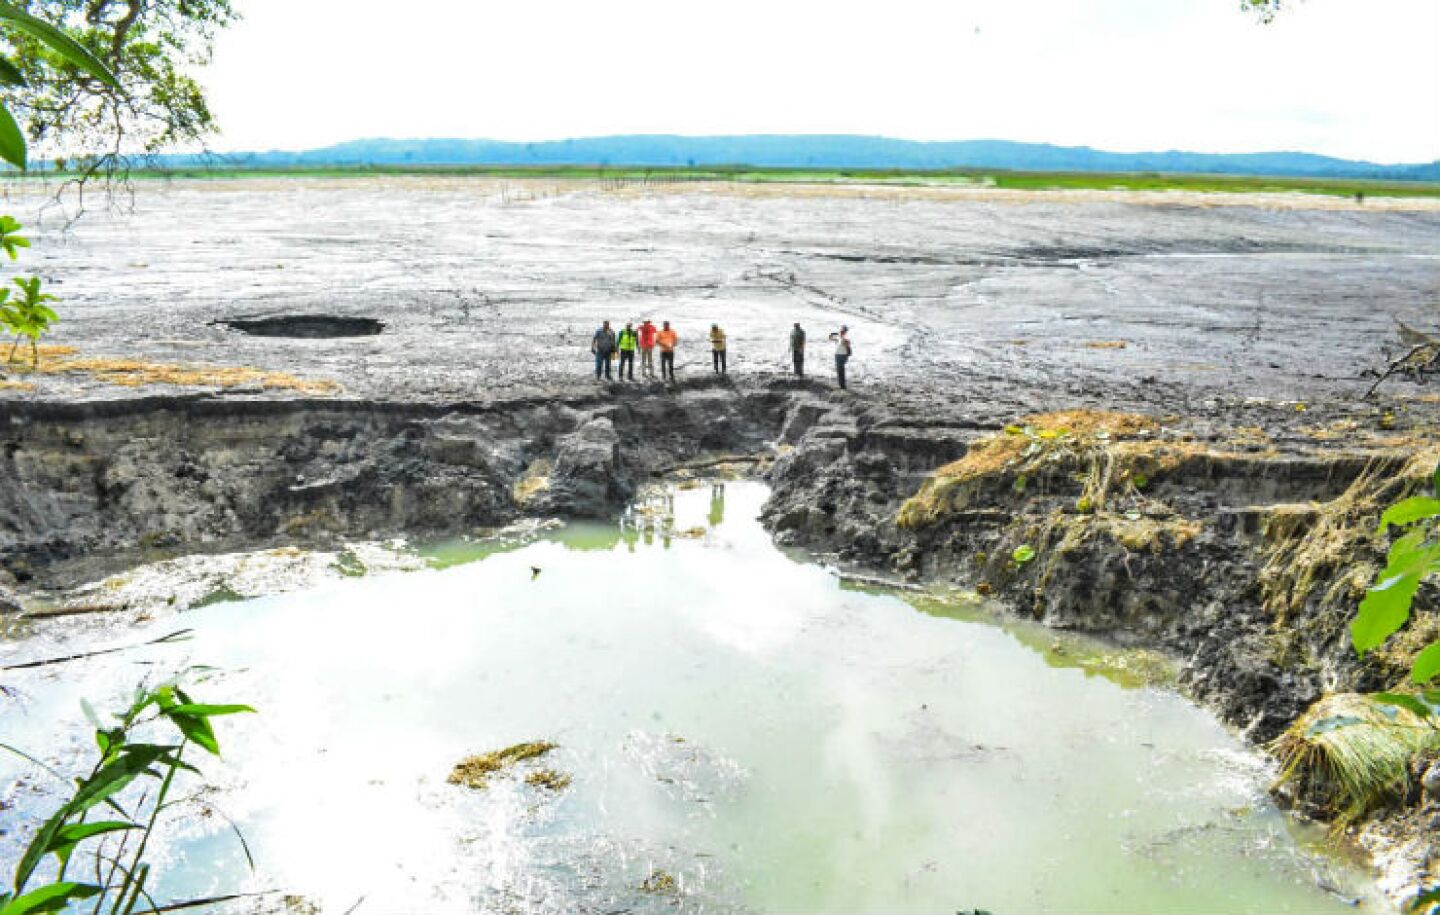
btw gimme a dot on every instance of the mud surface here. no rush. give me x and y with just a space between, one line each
490 290
1241 330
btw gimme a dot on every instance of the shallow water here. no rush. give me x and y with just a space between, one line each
731 716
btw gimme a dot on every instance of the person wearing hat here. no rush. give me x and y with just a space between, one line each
842 353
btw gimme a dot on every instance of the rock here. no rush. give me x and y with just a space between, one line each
1430 781
587 479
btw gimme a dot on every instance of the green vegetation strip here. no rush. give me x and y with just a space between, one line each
1013 180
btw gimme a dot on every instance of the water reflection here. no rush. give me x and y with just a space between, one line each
731 718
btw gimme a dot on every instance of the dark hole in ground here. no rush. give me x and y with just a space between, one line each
311 327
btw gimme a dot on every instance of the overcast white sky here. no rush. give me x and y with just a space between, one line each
1352 78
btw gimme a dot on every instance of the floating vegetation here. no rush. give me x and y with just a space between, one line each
1106 344
660 883
475 771
549 779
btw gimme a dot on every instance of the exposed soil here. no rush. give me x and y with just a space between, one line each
1210 488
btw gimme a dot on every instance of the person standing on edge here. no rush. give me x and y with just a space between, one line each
647 349
717 348
668 340
797 349
626 342
842 354
603 345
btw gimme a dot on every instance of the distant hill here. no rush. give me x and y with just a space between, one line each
825 151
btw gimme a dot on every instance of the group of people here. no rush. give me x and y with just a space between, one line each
609 345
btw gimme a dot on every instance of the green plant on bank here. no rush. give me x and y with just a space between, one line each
1355 752
27 316
118 834
1413 556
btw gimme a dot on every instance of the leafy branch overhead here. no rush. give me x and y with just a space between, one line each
65 50
145 95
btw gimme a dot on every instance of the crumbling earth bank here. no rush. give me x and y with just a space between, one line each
184 475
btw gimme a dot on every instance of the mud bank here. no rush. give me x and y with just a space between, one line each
87 486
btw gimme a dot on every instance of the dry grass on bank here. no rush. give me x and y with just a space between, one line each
1350 755
1323 544
1075 436
134 373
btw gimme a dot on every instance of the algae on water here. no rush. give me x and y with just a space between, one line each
549 779
475 771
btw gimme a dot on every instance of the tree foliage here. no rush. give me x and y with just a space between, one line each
154 48
1265 9
1413 556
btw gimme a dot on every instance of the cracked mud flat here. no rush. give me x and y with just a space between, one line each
1245 324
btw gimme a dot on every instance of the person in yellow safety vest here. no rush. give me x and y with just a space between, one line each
625 342
717 348
668 340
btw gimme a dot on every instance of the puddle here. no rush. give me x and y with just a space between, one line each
734 731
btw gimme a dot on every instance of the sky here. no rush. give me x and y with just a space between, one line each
1351 78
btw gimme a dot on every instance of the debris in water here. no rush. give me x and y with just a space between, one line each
661 883
548 779
534 572
475 771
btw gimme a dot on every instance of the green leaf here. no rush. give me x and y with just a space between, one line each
52 898
1426 901
113 777
197 729
1023 554
68 48
1408 511
79 832
1406 701
38 848
1427 664
70 836
1435 480
1333 723
200 708
12 141
10 74
1384 610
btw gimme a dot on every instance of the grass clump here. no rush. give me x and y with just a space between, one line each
476 771
1349 755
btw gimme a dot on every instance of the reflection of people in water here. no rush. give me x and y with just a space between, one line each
717 504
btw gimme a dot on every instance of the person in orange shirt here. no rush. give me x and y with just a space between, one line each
668 340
